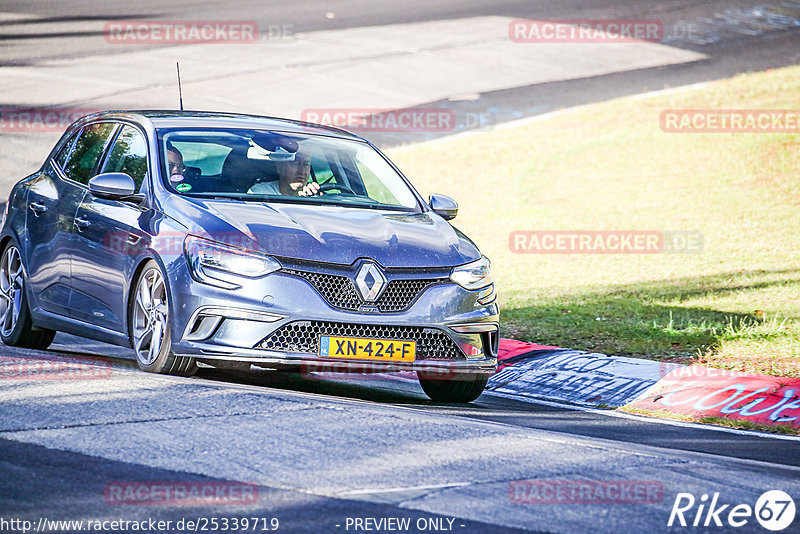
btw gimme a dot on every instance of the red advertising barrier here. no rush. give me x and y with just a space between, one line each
511 348
703 392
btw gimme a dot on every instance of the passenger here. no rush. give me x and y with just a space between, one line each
293 178
174 161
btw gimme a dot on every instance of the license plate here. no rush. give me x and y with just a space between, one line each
359 348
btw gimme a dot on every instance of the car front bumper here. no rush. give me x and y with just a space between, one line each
216 324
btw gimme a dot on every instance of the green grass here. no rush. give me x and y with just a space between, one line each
729 422
609 166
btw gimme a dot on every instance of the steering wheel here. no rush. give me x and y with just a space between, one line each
343 188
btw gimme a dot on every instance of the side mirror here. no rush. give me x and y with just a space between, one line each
114 186
444 206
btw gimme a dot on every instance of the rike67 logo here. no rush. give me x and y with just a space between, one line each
774 510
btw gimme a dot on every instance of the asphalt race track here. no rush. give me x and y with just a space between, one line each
322 450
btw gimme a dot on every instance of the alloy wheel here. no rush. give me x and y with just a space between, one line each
150 316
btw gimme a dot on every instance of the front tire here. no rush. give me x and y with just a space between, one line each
150 323
460 388
16 325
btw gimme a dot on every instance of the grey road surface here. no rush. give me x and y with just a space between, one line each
37 30
323 450
367 57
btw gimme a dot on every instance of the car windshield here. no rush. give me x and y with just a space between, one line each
272 166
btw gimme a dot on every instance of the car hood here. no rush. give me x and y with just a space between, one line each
330 234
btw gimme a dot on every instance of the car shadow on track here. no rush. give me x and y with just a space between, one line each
374 388
400 389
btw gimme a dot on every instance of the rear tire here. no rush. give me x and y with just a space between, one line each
460 388
16 325
150 326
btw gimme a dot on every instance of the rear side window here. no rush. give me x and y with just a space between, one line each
129 155
88 149
66 150
208 157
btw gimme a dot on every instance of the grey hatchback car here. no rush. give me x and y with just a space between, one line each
234 240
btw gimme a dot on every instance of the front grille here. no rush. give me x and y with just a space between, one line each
303 336
340 291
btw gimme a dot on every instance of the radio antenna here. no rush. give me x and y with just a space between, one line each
180 94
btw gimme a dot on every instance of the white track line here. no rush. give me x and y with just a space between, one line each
645 419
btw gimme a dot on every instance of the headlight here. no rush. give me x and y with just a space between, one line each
475 275
214 263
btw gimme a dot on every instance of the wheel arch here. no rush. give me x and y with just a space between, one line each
135 274
4 240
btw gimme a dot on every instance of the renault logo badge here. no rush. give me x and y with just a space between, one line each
370 282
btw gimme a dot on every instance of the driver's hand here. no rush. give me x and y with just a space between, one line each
311 189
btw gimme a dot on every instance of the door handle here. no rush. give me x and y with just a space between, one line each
133 239
37 208
82 223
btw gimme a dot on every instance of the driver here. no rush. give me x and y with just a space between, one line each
293 178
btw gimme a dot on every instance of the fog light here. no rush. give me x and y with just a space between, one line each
203 327
205 320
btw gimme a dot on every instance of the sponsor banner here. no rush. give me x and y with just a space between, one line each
702 392
576 376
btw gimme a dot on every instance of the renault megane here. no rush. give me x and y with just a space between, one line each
241 240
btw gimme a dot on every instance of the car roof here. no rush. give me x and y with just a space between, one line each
213 119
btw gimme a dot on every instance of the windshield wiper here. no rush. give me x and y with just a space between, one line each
317 201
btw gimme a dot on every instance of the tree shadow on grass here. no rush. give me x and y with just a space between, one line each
642 319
